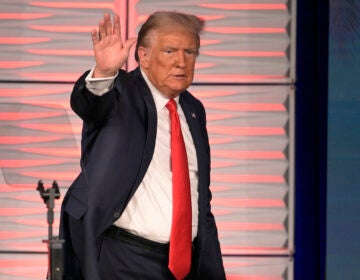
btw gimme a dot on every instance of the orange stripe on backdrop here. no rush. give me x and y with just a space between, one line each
62 52
20 92
249 202
231 78
248 154
20 263
39 222
242 263
22 16
20 235
254 250
22 41
34 197
74 5
219 188
200 65
17 116
213 117
63 152
21 245
206 42
142 18
243 53
221 164
19 163
233 226
58 104
18 64
65 176
247 178
4 188
246 6
46 76
223 140
233 106
220 92
53 127
252 277
246 131
62 28
244 30
38 272
15 140
11 212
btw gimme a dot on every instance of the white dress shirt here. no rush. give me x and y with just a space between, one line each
149 212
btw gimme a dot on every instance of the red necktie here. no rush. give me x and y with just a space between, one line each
180 239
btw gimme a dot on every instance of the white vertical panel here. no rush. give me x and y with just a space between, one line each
262 268
244 77
251 169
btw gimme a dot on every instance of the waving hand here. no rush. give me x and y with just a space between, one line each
110 52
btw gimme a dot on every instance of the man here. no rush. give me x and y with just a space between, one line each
118 217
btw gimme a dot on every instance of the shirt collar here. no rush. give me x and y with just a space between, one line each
160 99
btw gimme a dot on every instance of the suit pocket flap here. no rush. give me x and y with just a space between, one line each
75 208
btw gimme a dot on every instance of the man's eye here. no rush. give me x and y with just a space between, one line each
190 52
169 51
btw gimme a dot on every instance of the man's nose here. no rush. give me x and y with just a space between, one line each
180 59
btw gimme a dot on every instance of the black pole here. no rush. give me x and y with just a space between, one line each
311 139
54 244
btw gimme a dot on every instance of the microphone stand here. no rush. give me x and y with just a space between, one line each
54 244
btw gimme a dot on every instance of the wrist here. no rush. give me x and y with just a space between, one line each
98 73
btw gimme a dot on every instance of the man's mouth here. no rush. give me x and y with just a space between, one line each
179 76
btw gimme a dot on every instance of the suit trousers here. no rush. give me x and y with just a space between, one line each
124 258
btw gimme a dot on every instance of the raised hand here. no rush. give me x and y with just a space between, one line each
109 50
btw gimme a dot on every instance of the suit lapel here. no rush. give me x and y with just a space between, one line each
151 119
192 120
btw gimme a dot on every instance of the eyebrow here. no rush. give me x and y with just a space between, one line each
176 48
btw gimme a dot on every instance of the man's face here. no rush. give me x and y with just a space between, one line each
169 60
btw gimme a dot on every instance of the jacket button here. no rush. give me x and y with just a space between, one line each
116 215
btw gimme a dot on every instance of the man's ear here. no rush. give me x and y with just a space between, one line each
143 54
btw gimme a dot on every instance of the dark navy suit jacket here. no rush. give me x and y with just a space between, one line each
118 140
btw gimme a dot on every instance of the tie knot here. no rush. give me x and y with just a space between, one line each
171 105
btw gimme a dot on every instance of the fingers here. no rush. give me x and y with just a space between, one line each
117 26
105 26
108 24
94 36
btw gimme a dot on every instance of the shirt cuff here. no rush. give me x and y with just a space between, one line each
99 86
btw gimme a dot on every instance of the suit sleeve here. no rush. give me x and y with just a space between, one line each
91 108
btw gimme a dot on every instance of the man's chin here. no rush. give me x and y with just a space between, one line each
180 87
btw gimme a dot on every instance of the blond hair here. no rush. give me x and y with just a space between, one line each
159 20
